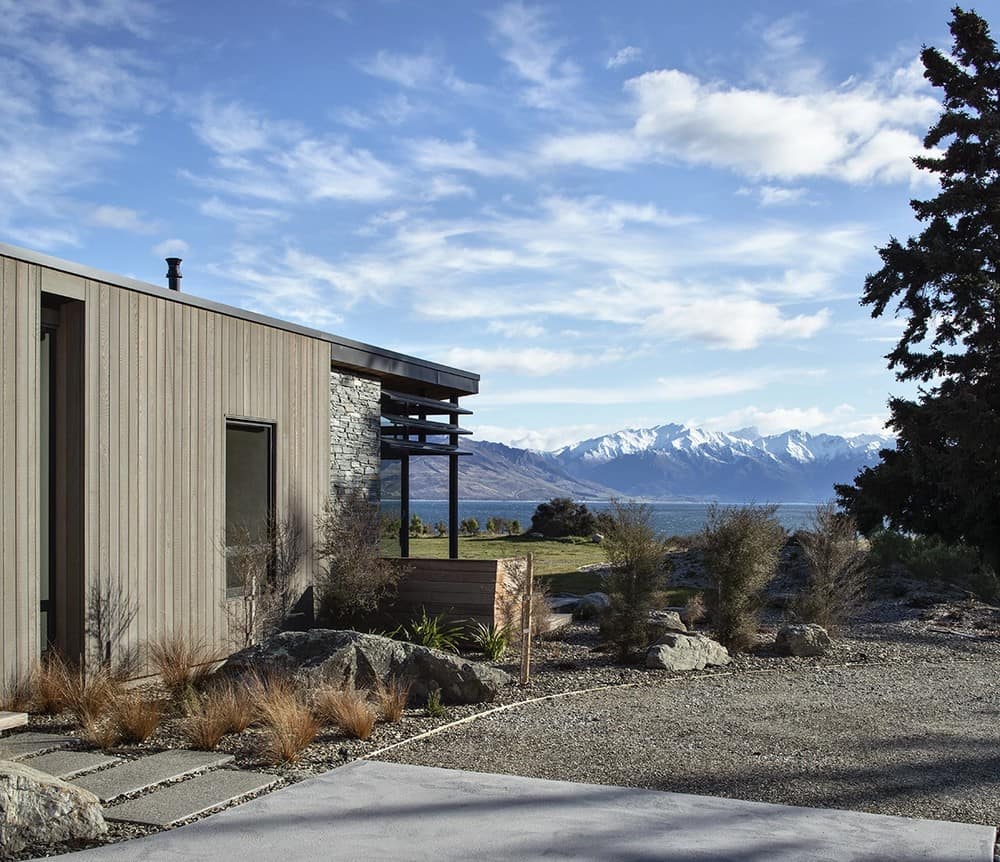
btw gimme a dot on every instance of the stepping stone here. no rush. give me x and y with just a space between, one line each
178 802
148 771
69 764
25 744
10 720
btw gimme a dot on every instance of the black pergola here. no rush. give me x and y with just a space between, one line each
405 433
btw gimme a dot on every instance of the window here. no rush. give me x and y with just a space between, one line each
249 492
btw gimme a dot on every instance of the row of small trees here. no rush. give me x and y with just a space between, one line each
742 547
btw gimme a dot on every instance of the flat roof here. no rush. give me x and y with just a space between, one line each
431 378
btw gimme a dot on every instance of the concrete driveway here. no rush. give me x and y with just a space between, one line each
373 811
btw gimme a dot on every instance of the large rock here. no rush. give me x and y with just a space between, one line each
675 651
37 808
661 622
350 658
802 639
591 606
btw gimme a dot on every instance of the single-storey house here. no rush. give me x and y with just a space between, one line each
139 421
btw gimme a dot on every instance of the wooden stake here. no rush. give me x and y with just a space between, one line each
526 620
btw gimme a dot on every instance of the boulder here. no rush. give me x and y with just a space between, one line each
597 538
661 622
802 639
675 651
351 658
563 603
37 808
591 606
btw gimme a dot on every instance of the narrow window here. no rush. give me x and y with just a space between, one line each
249 494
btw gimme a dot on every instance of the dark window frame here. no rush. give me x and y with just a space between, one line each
237 591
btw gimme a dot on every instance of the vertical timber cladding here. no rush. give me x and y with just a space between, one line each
355 415
20 327
160 379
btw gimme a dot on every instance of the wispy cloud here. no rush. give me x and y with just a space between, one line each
416 72
122 218
843 419
529 362
624 56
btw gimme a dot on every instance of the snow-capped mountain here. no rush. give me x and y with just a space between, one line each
665 462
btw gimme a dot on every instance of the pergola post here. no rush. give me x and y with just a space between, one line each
404 505
453 490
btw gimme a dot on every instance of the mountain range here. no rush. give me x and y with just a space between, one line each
667 462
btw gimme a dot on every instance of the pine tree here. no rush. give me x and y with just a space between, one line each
943 479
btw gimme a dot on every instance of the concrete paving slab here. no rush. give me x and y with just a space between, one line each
69 764
375 811
178 802
148 771
10 720
22 745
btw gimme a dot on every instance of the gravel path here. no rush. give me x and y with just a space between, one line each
918 738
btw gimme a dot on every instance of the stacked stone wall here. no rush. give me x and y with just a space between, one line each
354 434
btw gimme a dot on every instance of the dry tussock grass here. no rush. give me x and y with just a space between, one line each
289 724
17 692
235 703
348 709
51 682
102 732
181 661
391 697
207 722
137 715
90 696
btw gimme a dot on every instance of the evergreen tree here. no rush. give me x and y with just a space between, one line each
943 478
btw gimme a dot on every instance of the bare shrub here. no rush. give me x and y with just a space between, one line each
355 579
511 601
742 544
17 693
391 697
348 709
180 660
265 567
838 568
110 612
289 724
694 610
636 555
138 715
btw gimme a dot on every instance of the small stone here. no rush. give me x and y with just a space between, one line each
675 651
802 639
36 808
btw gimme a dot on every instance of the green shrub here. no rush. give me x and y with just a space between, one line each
515 527
354 578
490 640
562 517
742 544
432 632
636 554
838 568
417 527
469 527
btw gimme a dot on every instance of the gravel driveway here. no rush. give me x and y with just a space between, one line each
913 738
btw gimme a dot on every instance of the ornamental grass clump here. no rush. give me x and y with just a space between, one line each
346 708
101 731
432 632
17 692
289 726
138 715
206 723
742 546
490 640
50 682
391 697
181 661
90 696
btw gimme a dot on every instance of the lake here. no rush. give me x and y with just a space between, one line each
671 519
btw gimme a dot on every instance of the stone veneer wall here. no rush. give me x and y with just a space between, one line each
355 412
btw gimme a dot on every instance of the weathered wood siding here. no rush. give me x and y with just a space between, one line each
160 379
19 463
480 590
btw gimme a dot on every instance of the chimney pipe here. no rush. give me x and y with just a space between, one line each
174 273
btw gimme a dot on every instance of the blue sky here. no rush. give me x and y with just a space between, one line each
620 214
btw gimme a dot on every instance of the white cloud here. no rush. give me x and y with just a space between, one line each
608 150
134 16
539 439
519 329
842 419
121 218
624 56
527 361
234 129
771 196
857 133
242 216
171 248
534 54
435 154
415 71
